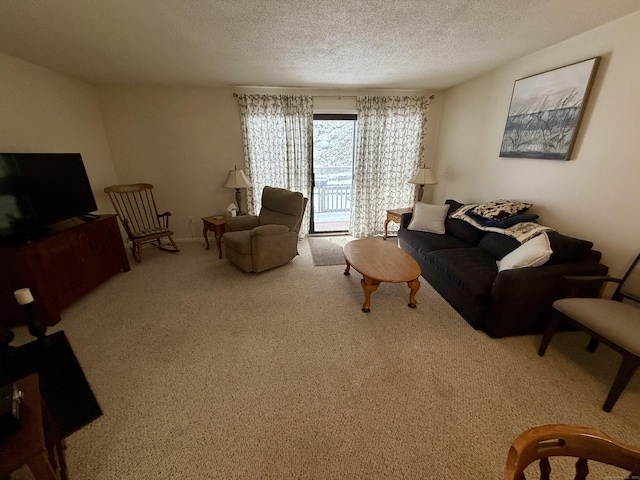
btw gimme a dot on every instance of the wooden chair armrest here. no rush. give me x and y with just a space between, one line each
583 279
164 218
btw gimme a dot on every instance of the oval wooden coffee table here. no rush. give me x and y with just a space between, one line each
378 262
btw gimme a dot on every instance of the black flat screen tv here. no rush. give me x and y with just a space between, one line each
38 190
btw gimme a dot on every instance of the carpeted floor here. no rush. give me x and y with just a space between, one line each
327 251
205 372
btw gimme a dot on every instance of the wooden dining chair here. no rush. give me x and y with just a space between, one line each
540 443
136 209
614 322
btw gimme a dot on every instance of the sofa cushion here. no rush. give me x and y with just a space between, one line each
459 228
498 245
428 218
423 242
534 253
500 209
568 249
472 270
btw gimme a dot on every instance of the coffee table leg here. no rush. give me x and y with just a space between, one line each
368 285
346 270
414 285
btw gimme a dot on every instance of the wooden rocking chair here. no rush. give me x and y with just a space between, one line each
136 209
586 444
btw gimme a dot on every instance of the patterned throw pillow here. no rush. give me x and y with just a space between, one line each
500 209
505 222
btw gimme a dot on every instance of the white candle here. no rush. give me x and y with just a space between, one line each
23 296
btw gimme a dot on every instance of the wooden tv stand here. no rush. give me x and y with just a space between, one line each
71 260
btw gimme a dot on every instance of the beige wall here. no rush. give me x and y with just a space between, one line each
44 111
185 140
595 195
182 140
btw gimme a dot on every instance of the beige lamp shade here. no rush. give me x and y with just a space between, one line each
237 179
424 176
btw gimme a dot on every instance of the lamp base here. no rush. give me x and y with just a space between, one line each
36 328
238 199
420 192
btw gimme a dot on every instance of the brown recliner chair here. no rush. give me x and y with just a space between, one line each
269 240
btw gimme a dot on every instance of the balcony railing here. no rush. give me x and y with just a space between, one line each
331 198
331 207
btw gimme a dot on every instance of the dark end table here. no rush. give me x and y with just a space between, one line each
216 224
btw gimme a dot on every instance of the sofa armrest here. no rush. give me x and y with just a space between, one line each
521 298
243 222
405 219
555 279
266 230
592 278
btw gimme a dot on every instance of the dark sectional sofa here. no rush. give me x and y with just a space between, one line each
461 265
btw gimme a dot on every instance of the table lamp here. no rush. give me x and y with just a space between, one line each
424 176
25 299
237 179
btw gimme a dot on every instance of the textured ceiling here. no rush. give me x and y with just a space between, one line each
406 44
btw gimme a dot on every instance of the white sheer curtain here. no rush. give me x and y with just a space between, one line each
391 131
277 131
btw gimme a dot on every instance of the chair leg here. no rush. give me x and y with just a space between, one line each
173 248
628 367
548 334
173 243
135 249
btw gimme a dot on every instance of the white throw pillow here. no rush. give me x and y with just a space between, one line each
534 253
428 218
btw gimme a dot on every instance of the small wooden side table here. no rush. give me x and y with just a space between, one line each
217 225
37 444
395 216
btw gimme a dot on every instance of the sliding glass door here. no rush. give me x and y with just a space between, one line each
333 157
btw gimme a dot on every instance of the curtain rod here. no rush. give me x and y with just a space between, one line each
431 97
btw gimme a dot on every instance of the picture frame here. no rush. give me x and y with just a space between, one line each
546 111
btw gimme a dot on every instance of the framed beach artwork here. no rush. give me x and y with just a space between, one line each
546 110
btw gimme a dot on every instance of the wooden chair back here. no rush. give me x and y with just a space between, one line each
629 286
136 208
585 444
